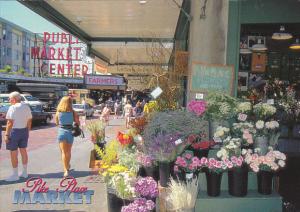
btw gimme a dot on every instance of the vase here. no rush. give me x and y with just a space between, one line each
164 173
262 143
264 182
238 181
213 183
152 171
115 203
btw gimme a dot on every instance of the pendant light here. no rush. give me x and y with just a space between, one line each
296 45
282 34
259 46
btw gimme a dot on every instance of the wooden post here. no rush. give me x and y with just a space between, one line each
162 198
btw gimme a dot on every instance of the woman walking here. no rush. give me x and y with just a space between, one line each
64 118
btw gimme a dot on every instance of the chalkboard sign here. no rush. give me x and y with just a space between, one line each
209 77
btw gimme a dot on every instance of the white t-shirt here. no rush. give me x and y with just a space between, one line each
20 113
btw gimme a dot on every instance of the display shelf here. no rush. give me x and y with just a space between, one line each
227 203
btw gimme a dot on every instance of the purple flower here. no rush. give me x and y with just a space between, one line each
146 187
139 205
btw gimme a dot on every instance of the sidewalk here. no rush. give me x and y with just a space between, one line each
45 163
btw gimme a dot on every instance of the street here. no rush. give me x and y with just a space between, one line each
44 162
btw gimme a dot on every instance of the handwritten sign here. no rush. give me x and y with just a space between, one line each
209 77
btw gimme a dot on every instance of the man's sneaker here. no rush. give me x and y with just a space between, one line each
23 174
12 178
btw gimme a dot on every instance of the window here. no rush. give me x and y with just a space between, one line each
4 33
17 39
24 56
8 52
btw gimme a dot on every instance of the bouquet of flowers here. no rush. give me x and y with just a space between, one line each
144 160
165 136
108 172
97 129
213 165
264 111
124 139
244 130
123 183
146 187
221 133
244 107
220 106
186 162
197 107
272 161
269 129
231 147
128 157
139 205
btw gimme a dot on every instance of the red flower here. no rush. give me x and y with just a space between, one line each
203 144
124 139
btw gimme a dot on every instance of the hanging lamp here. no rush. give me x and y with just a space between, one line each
259 46
296 45
282 34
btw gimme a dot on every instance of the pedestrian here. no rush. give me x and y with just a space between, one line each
105 114
117 108
18 125
128 113
64 118
138 109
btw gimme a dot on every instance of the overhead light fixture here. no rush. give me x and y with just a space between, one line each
245 51
296 45
259 46
282 34
143 1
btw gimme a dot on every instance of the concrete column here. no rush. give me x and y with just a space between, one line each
208 36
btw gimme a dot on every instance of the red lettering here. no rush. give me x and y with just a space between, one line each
64 38
85 69
46 37
51 53
52 68
60 54
44 53
35 51
57 37
69 55
61 69
77 70
36 183
70 183
69 66
77 50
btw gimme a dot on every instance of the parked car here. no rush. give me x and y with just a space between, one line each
26 98
98 108
39 115
83 109
3 111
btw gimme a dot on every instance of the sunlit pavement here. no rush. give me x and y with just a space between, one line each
44 162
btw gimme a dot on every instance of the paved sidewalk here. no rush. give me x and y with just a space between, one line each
45 163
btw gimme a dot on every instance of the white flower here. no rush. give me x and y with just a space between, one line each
281 163
244 151
260 124
219 133
244 107
242 117
225 129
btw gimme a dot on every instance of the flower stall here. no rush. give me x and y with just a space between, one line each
174 159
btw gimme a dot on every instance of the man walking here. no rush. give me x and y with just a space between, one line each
17 132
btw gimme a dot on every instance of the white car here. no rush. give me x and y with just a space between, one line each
26 98
83 110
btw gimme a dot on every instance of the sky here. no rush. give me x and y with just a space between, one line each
20 15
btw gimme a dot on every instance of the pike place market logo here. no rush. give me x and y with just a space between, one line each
36 191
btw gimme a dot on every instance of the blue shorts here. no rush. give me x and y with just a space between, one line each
18 139
65 135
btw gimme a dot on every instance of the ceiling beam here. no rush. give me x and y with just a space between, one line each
45 10
130 39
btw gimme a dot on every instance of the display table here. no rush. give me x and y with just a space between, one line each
227 203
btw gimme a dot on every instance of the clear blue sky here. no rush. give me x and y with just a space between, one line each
18 14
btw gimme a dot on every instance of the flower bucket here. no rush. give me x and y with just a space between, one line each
164 173
213 180
262 143
238 181
264 182
114 203
152 171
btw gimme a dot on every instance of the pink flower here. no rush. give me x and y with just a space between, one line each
233 159
203 160
176 169
212 161
230 165
239 162
191 167
242 117
188 156
218 164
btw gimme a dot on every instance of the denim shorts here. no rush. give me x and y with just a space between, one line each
18 139
65 135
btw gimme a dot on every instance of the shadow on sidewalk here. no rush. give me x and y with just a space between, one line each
58 175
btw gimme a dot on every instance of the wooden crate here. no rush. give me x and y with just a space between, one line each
93 162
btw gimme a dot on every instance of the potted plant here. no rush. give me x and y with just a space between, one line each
200 148
265 166
148 167
186 165
128 157
165 137
97 130
214 171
